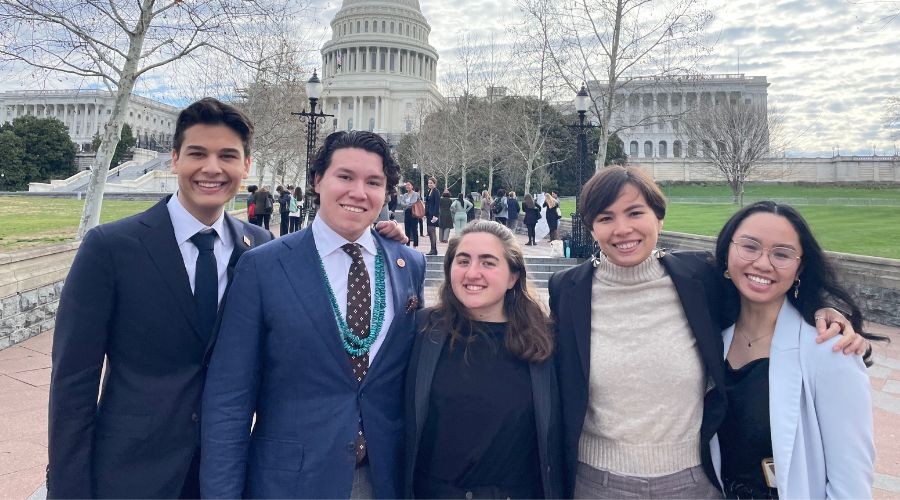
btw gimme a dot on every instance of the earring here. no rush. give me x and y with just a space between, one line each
727 274
797 288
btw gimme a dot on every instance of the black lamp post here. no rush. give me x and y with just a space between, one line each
582 245
312 120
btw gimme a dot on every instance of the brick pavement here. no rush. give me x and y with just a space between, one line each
25 379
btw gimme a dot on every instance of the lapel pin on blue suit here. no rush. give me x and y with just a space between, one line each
246 240
401 263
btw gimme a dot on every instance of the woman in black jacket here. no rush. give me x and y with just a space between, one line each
446 216
532 214
481 396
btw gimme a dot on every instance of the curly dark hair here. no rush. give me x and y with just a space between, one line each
819 282
367 141
528 332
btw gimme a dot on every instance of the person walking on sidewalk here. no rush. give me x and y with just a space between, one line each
500 207
532 214
264 204
513 210
406 202
486 202
446 216
284 201
432 213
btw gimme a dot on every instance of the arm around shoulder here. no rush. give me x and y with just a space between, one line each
844 411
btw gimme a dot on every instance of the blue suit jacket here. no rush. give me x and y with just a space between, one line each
127 299
279 355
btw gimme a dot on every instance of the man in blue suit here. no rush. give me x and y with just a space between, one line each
142 295
314 343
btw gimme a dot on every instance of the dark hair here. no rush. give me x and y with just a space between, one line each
604 188
360 139
252 188
529 201
528 334
445 194
818 280
298 193
460 198
501 193
209 111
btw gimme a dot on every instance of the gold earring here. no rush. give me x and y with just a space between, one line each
727 274
797 288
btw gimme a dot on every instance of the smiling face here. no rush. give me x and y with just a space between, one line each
480 276
408 186
351 191
759 281
210 165
627 231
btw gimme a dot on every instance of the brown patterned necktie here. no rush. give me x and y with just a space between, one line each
359 314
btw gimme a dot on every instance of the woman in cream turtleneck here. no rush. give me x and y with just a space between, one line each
639 352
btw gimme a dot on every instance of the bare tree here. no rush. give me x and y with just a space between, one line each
736 139
612 42
892 115
119 41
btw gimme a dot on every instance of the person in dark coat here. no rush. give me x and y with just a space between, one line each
284 199
512 211
482 401
446 216
470 214
432 213
265 204
142 295
551 203
532 214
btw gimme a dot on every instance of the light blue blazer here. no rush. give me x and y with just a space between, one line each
820 410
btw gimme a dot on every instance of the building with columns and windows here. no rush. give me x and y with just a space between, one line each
651 107
85 112
379 72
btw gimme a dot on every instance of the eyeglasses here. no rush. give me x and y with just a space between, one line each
751 250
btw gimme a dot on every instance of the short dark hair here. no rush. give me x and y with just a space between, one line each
819 283
209 111
603 189
360 139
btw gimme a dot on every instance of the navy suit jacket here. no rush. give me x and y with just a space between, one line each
127 299
279 356
699 288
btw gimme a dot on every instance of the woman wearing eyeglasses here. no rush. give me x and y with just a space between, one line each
799 420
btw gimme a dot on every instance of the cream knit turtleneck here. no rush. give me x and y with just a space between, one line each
646 377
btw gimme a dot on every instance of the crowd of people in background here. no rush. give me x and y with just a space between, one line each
261 206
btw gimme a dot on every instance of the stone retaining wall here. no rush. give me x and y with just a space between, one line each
30 283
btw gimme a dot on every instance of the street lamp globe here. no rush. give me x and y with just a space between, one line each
582 100
314 87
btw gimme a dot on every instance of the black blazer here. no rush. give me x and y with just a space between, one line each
698 288
432 204
127 299
545 394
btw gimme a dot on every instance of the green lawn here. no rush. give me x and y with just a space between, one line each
861 230
33 221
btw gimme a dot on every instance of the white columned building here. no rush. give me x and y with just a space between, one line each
85 112
652 107
378 70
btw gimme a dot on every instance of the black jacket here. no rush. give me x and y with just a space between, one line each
432 205
545 392
699 289
127 298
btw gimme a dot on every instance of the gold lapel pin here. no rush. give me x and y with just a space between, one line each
401 262
246 240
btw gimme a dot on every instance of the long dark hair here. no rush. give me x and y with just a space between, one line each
528 334
818 280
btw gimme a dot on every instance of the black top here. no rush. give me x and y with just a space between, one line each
745 436
480 433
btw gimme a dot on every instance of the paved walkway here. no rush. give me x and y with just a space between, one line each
25 379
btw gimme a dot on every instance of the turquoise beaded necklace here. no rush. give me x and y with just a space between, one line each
353 344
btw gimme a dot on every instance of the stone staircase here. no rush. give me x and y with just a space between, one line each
539 269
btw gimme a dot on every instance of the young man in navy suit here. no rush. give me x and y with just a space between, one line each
314 342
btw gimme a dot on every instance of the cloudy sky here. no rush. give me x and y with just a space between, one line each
831 64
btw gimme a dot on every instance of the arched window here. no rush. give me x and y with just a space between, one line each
383 24
707 149
633 149
367 26
392 26
648 149
350 124
371 124
692 149
663 149
357 26
720 146
676 149
407 30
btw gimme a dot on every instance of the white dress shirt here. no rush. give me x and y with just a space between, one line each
186 225
337 264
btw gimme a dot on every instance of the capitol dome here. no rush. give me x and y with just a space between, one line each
379 70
